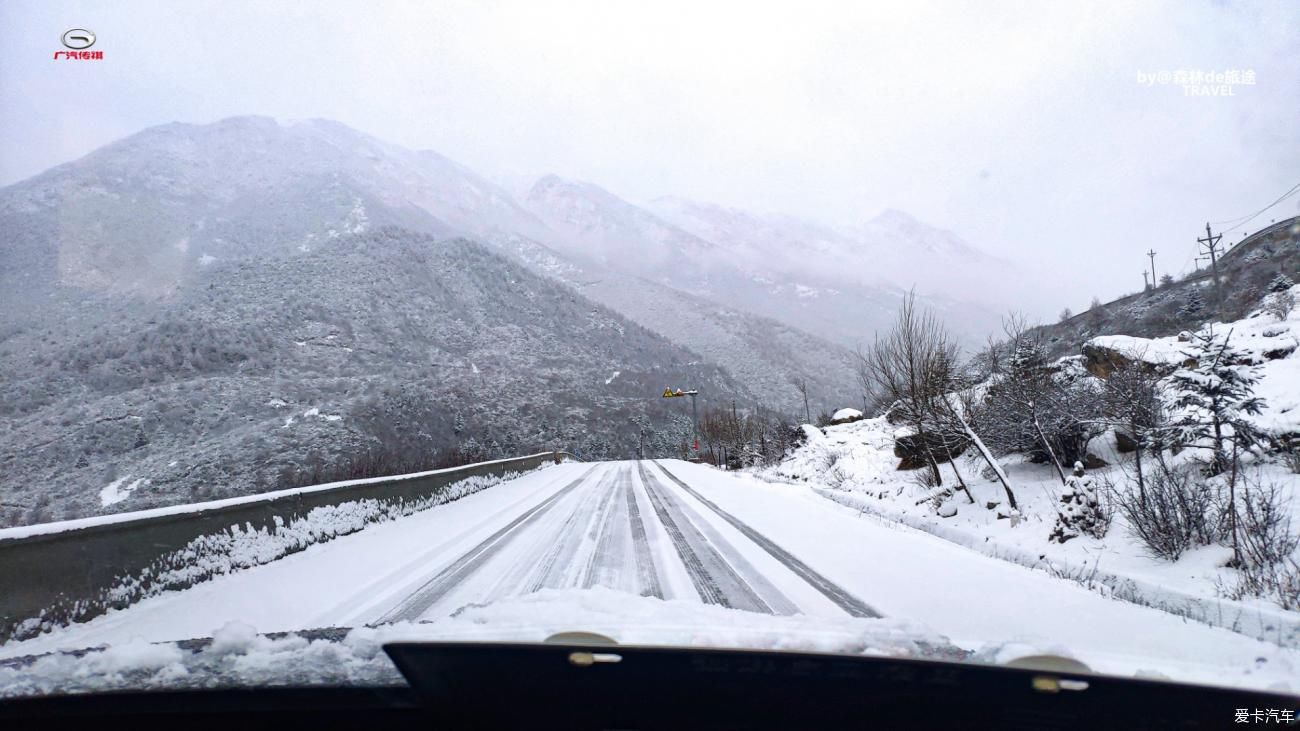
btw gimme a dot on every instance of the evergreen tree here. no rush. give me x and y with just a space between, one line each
1080 511
1215 397
1194 304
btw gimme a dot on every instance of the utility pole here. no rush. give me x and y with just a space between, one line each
1211 244
1152 254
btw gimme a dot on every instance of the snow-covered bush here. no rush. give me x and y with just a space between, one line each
1080 511
1193 305
1268 565
1279 304
1280 283
1048 411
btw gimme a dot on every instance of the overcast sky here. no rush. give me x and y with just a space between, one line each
1021 126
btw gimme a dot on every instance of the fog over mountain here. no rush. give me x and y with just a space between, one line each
155 285
1028 131
201 310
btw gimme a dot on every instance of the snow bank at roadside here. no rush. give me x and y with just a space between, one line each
854 464
243 546
60 526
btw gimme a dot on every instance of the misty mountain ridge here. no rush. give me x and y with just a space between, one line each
341 175
893 250
201 307
144 215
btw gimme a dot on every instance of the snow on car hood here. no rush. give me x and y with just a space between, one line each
236 655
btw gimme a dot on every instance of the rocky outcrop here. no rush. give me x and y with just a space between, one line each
1101 356
911 450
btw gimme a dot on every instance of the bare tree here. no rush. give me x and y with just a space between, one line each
801 384
1033 408
1131 402
903 368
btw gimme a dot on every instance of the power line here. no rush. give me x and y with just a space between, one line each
1239 222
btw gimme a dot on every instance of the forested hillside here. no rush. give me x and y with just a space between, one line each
268 371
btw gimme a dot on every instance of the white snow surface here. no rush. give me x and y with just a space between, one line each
119 490
239 656
846 414
562 571
1262 338
1164 350
854 465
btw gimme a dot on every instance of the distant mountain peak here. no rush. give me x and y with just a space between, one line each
895 217
596 224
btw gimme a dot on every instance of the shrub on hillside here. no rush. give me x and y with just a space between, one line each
1173 513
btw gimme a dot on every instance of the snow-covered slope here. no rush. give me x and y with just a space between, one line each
855 464
891 251
597 225
797 272
145 213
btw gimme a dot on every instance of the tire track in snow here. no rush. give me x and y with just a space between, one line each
714 579
647 574
436 588
558 568
772 596
836 593
609 561
534 545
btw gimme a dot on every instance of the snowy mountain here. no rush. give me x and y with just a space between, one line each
257 369
802 273
596 225
890 253
145 215
190 308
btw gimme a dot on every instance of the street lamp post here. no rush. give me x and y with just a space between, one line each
695 414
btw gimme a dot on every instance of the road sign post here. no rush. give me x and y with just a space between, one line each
695 414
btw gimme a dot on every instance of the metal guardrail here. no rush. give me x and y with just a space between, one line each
73 571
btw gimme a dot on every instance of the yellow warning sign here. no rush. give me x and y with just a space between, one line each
668 393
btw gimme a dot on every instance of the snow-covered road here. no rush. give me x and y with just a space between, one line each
626 527
691 553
